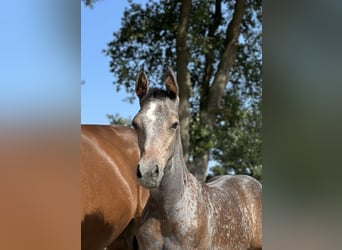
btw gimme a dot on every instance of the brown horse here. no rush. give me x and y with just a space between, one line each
112 200
182 213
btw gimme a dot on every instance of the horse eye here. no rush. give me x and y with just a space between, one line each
175 125
134 125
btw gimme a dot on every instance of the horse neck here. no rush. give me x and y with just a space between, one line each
175 178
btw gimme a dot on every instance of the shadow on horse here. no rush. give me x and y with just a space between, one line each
182 213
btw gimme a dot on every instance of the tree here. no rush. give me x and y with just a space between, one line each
215 47
89 3
118 120
234 136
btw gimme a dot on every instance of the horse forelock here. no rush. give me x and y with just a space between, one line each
158 94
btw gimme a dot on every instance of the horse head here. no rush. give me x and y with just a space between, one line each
157 126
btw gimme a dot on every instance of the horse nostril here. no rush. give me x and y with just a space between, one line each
155 170
138 172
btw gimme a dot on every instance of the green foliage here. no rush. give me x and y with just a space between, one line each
201 139
118 120
90 3
239 141
147 37
238 129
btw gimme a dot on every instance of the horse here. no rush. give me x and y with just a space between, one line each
181 212
111 198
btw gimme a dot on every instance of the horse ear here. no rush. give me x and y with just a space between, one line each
171 83
141 85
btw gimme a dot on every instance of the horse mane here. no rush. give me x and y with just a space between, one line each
157 93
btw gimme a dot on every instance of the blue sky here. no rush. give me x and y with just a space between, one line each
39 61
98 94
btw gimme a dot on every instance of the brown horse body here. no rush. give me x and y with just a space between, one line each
110 195
182 213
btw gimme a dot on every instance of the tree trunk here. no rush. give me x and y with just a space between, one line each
211 104
183 76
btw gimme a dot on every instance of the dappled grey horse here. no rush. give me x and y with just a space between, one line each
182 213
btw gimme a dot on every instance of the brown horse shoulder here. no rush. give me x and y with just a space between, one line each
110 194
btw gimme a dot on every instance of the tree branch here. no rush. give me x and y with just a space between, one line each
209 58
227 58
183 76
209 108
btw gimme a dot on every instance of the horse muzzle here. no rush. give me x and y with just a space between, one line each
149 175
